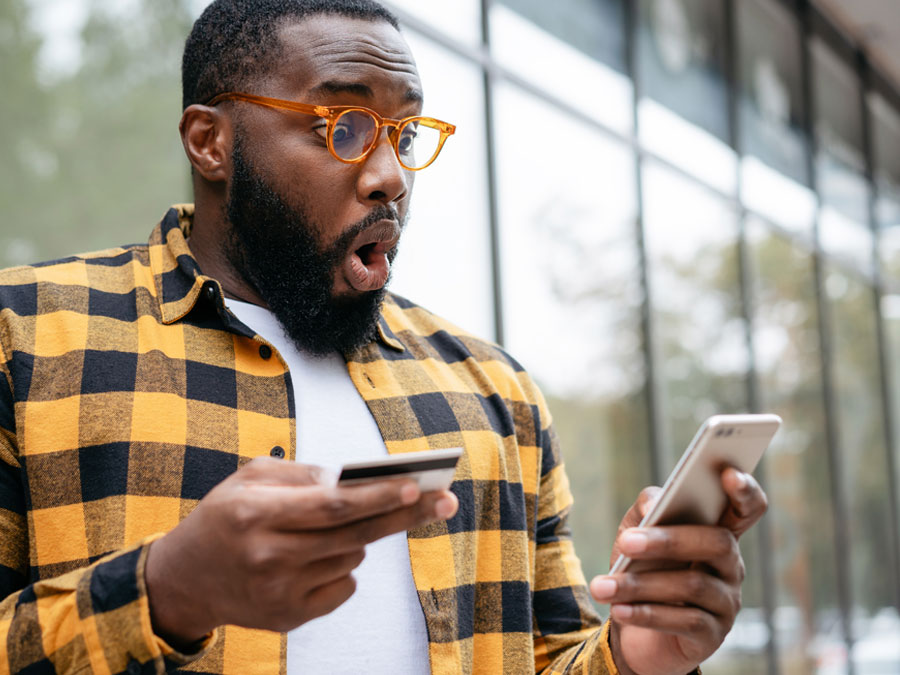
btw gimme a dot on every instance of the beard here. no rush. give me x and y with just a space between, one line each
275 248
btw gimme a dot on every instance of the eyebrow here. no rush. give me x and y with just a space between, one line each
359 89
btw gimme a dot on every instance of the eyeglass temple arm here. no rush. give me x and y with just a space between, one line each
277 104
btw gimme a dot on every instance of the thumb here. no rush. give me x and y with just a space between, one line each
280 472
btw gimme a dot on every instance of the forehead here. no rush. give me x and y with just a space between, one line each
328 54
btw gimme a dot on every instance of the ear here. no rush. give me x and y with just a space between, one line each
206 135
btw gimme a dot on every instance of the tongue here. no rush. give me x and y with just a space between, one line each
369 274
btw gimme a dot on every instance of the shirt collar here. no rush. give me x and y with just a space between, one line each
179 280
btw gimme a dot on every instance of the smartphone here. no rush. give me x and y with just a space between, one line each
693 492
430 469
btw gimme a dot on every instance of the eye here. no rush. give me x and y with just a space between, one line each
407 139
321 128
342 132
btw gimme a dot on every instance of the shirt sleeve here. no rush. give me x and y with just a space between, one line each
91 620
569 635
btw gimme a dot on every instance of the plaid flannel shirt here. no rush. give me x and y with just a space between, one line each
128 391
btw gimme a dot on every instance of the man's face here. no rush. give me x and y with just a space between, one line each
313 235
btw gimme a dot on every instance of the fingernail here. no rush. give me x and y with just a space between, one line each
603 588
622 611
634 542
409 494
742 480
444 508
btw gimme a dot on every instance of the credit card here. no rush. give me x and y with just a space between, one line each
431 469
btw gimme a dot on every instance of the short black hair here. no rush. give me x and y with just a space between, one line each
234 41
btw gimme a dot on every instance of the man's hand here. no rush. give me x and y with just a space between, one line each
669 619
271 547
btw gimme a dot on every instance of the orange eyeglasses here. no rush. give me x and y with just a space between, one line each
353 132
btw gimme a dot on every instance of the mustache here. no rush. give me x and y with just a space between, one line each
345 241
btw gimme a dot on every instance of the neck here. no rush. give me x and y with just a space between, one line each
209 230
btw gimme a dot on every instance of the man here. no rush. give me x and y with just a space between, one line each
163 408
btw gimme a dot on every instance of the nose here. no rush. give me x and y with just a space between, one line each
381 178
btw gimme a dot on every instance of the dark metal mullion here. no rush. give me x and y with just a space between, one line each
652 385
884 358
763 531
491 159
832 439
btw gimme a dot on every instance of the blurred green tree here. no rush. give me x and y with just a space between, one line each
94 155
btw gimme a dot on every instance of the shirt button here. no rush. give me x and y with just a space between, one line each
277 452
265 351
209 289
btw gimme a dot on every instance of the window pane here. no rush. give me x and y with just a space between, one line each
890 312
461 21
701 347
448 226
840 161
771 88
683 112
700 334
594 27
572 305
886 150
574 49
744 648
787 357
775 181
863 453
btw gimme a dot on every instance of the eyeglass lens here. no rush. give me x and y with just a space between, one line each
353 134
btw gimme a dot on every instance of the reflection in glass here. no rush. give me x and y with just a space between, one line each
701 347
786 352
890 313
861 432
573 49
594 27
774 175
572 298
886 132
682 60
682 112
692 247
462 21
448 227
840 160
886 151
744 648
771 89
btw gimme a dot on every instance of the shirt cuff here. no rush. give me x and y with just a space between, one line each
606 650
158 648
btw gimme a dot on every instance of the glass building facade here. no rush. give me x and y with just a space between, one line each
664 209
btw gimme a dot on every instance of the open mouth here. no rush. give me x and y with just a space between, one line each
367 253
367 268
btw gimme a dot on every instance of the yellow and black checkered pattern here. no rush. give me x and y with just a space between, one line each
129 391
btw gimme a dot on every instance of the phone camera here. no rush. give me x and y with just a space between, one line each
729 432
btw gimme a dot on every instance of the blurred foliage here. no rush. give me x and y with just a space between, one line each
92 158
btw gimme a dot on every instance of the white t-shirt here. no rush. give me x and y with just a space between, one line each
381 628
